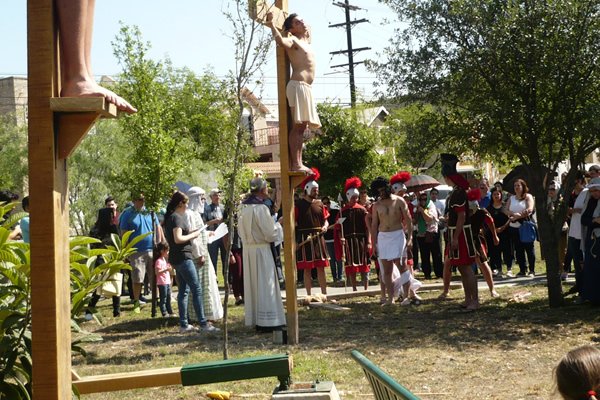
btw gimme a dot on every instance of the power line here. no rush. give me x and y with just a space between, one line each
350 51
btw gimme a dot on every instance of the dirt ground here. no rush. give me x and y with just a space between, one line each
505 350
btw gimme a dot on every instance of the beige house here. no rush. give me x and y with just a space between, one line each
13 98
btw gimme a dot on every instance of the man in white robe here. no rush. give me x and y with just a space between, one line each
257 230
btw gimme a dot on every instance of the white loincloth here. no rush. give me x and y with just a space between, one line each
304 109
390 245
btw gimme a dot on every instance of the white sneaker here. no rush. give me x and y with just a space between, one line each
188 328
210 328
416 297
509 274
89 316
405 302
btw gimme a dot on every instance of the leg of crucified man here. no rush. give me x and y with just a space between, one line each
75 21
295 141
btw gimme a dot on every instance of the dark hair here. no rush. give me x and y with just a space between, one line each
160 247
578 373
287 24
176 199
108 200
498 183
379 183
434 190
7 196
104 222
580 176
524 184
25 203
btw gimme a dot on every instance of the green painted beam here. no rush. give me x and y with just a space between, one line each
279 366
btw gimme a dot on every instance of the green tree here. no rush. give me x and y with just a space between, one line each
159 151
96 168
251 47
521 78
416 132
348 148
13 154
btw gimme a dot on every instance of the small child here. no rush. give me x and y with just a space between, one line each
163 278
578 374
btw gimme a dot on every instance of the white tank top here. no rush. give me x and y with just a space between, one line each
517 207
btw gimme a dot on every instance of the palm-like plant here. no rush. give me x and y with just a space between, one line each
87 275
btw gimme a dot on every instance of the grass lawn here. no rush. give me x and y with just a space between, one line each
506 350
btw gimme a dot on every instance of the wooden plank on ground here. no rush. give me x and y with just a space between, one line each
328 306
128 380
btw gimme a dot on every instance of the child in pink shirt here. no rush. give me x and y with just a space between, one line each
163 278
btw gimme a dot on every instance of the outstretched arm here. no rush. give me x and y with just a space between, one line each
280 40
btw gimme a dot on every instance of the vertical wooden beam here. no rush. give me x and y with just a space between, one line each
287 191
51 311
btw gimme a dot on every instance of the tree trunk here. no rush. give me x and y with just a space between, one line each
549 237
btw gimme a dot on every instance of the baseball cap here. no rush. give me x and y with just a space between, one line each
214 191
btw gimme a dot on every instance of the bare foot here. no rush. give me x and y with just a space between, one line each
494 293
301 168
92 89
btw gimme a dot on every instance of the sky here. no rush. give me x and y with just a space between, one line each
193 34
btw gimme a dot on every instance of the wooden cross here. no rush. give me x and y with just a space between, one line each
258 10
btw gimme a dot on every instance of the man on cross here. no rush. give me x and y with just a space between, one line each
299 89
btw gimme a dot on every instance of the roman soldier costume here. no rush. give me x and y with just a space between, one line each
457 203
354 230
311 251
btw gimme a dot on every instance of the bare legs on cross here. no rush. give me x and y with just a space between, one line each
295 142
76 21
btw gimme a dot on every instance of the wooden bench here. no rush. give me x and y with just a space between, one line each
279 365
384 386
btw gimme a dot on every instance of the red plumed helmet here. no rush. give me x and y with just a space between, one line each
353 182
474 194
402 176
313 177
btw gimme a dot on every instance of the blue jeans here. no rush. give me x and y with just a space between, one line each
522 250
187 280
164 293
337 266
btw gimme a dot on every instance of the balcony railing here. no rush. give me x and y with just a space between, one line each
266 136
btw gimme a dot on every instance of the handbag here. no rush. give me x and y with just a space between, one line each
112 287
527 231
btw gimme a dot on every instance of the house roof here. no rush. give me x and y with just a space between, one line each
254 101
271 169
369 115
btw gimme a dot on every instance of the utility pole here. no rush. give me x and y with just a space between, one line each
350 51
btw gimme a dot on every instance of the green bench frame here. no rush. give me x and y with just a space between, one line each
384 386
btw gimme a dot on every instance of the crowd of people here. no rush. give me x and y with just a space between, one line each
400 233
